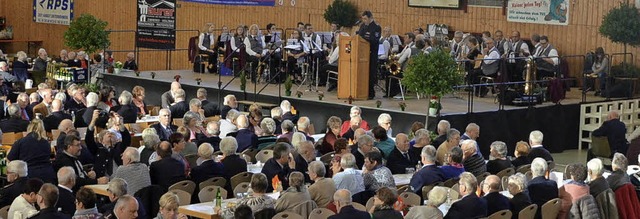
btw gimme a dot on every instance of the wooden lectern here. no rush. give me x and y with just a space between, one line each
353 68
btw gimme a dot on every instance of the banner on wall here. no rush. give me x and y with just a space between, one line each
237 2
156 24
53 11
554 12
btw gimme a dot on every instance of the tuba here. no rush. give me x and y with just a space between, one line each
394 66
530 74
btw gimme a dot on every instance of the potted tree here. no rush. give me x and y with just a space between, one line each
88 33
621 25
342 12
432 75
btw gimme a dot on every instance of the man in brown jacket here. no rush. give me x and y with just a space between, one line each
323 189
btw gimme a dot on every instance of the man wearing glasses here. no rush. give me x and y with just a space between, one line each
47 199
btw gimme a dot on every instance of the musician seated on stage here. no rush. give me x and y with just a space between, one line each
256 51
273 38
546 58
410 49
297 50
470 65
237 53
332 64
206 45
491 62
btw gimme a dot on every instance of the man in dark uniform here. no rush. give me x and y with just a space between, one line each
370 31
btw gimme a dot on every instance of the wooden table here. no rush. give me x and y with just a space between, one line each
402 179
205 209
100 189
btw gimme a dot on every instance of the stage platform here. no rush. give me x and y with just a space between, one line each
559 122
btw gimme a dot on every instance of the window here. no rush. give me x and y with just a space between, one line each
490 3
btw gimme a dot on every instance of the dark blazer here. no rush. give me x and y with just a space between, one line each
179 109
129 113
615 131
74 106
13 190
52 121
88 114
496 202
50 213
63 160
246 139
213 140
398 163
166 171
233 164
206 170
161 132
290 117
131 65
519 202
302 166
359 157
386 213
14 125
426 176
349 212
224 110
520 161
37 154
497 165
210 108
468 207
104 157
64 201
539 152
166 99
271 168
327 143
541 190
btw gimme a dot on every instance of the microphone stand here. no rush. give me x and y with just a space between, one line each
348 51
233 67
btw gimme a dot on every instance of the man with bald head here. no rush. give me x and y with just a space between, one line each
615 131
57 115
343 202
126 207
495 201
400 159
44 107
246 138
167 98
305 155
471 161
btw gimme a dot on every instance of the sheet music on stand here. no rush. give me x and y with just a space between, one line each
225 37
325 37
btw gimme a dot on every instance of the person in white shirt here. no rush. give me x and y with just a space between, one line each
256 50
24 205
385 44
546 58
332 64
206 44
517 49
228 125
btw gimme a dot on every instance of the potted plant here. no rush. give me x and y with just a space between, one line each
299 94
342 12
402 105
177 78
288 83
153 75
117 67
433 74
320 95
198 80
378 103
621 25
88 33
434 106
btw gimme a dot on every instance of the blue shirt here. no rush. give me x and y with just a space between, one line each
349 179
451 171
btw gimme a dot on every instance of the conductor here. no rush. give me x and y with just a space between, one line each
370 31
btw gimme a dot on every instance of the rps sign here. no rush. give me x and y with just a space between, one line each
53 11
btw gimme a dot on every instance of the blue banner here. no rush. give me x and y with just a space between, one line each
237 2
53 11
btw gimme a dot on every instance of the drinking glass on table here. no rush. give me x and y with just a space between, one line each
410 170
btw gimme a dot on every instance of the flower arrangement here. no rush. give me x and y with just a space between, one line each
198 80
299 94
434 103
118 64
153 75
320 95
378 103
402 105
177 78
138 74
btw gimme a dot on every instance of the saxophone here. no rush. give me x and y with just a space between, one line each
530 74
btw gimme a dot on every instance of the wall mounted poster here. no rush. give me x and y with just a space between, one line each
554 12
53 12
156 24
435 3
238 2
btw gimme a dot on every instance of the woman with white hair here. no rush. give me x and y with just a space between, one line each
619 175
268 126
516 187
437 196
92 104
20 66
346 125
207 166
128 111
148 150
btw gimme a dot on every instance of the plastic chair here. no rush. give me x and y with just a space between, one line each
251 153
453 194
451 182
399 79
184 198
426 189
529 212
218 181
600 147
370 203
241 188
481 177
551 209
326 158
208 193
506 172
524 168
320 213
288 215
4 211
264 155
240 178
358 206
504 214
403 189
410 198
184 185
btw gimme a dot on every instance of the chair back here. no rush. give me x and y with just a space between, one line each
456 187
243 187
600 146
506 172
264 155
450 182
504 214
178 122
370 203
358 206
251 153
4 211
184 185
403 189
529 212
192 159
217 181
551 209
453 194
240 178
11 137
481 177
326 158
551 165
320 213
208 193
287 215
410 198
524 168
155 111
184 198
528 176
426 189
304 209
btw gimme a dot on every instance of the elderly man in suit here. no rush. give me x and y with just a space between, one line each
57 115
15 123
342 200
164 128
305 153
615 131
17 179
537 150
286 107
127 110
66 181
495 201
180 106
400 159
232 162
322 189
541 189
44 107
280 165
246 138
166 171
470 206
228 103
209 168
49 196
429 174
210 108
69 158
167 98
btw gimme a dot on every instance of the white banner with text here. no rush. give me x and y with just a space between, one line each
554 12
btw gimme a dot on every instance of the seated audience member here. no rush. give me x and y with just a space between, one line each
472 132
213 138
96 68
383 142
286 107
619 176
541 189
189 146
420 140
287 130
520 199
332 134
472 162
322 189
576 200
166 171
295 195
597 183
303 127
127 110
537 150
268 138
138 93
374 174
150 142
400 158
180 106
107 149
454 166
521 153
132 171
355 124
443 131
415 126
615 131
429 173
437 196
452 140
342 200
66 181
168 98
232 162
210 108
127 207
85 201
40 63
164 128
384 121
243 212
280 165
169 207
258 200
69 158
178 144
16 121
346 125
498 158
34 149
117 189
130 63
228 125
304 155
57 115
106 99
276 115
92 104
228 103
77 101
208 167
246 138
23 206
470 205
49 194
17 179
383 203
495 201
44 106
350 178
364 146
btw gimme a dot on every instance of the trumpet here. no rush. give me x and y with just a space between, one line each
394 66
